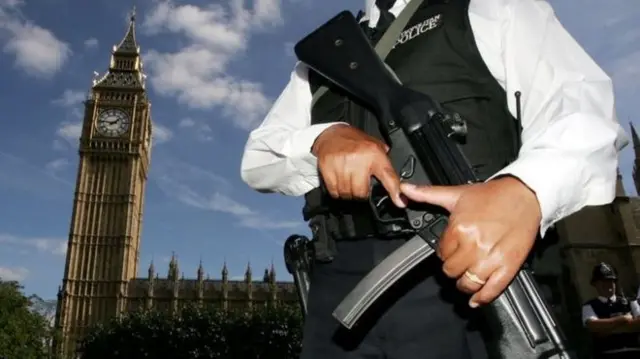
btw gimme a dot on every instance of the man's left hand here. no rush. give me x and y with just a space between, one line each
492 228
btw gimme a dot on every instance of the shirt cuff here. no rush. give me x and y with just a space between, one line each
559 182
302 160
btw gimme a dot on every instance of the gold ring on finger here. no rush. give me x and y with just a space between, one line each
474 278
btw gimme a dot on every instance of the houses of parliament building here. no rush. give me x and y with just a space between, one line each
100 276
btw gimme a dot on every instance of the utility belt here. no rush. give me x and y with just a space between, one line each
333 220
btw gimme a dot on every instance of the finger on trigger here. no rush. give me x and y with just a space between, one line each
390 181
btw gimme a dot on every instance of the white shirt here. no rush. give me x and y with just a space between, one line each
570 136
589 314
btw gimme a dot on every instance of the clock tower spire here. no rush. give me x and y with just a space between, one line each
106 219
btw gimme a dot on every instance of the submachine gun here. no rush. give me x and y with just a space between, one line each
420 134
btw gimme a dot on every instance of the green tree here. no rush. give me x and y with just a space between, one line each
24 333
265 333
193 333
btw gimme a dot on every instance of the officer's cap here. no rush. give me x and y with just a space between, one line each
602 271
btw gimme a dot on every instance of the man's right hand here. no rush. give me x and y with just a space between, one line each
348 157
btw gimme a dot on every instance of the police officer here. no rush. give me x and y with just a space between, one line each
472 56
611 319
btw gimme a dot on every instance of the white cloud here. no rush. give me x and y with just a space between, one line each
37 50
204 190
91 43
203 132
197 74
161 134
18 174
289 49
57 165
70 98
53 246
70 131
58 145
13 274
11 4
186 122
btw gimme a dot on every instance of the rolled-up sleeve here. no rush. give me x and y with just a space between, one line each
277 156
571 136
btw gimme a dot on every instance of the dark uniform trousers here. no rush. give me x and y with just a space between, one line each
424 316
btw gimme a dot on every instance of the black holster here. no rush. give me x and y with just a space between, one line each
324 244
298 257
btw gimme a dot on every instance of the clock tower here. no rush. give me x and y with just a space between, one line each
106 221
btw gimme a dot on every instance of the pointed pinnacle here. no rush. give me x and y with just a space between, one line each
634 135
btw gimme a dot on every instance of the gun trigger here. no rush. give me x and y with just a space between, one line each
408 168
381 204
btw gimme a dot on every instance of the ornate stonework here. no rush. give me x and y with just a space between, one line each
173 292
104 239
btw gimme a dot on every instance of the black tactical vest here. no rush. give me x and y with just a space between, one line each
603 344
436 54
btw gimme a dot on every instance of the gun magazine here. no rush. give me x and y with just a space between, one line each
381 278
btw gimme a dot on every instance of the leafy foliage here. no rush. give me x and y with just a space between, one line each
194 333
24 333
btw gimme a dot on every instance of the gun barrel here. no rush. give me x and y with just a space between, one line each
533 291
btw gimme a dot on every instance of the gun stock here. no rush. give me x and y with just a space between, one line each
345 69
419 133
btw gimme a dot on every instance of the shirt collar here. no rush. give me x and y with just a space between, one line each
373 14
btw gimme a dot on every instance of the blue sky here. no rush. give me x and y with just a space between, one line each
212 71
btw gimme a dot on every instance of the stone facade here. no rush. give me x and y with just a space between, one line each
171 293
104 239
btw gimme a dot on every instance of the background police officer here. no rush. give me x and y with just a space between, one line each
473 56
612 319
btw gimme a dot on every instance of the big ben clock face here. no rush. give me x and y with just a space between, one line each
113 122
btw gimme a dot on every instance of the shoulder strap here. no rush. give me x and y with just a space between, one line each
384 46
